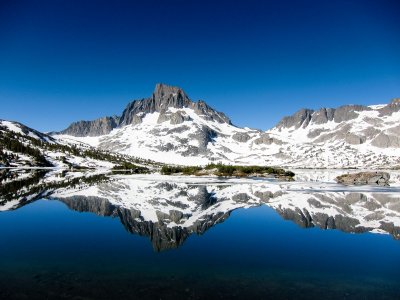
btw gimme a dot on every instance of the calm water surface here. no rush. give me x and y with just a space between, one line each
235 242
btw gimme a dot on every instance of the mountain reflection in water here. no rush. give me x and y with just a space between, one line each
169 212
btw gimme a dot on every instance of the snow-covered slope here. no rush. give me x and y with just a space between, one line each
21 146
169 127
24 131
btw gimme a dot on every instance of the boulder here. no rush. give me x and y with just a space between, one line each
241 137
361 178
354 139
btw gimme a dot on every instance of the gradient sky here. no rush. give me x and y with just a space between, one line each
62 61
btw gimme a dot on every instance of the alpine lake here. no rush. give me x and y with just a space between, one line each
82 236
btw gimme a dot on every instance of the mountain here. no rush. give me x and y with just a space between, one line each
169 127
163 98
21 146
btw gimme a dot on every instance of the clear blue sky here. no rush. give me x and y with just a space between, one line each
62 61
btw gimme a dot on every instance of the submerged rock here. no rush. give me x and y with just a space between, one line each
381 178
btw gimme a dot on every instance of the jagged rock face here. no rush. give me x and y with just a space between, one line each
164 97
304 219
97 127
323 115
303 117
348 112
299 119
206 112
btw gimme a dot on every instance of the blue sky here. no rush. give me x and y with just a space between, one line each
62 61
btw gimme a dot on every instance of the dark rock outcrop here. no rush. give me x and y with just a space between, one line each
323 115
381 178
241 137
97 127
304 117
300 119
266 139
348 112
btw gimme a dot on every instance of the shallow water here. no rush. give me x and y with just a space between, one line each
136 239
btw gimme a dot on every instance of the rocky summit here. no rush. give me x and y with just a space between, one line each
163 98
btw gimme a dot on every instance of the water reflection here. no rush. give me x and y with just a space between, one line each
169 212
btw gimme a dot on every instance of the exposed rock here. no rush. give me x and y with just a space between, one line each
381 178
264 196
241 137
205 111
370 132
314 133
338 134
266 139
163 117
204 136
323 115
354 139
392 229
175 118
348 112
179 129
303 117
385 141
97 127
299 119
241 197
137 120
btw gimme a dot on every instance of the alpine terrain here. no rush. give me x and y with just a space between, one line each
169 127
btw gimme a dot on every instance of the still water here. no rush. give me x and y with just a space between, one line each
131 238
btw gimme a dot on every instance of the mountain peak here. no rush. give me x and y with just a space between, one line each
164 97
169 96
163 89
